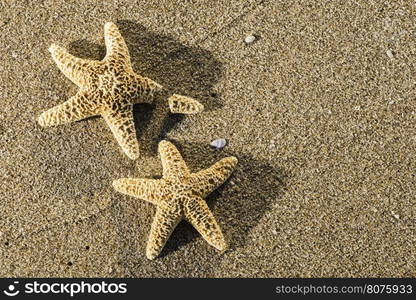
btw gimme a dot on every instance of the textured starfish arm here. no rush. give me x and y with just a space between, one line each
115 44
199 215
76 69
150 190
184 105
163 225
121 124
172 162
209 179
76 108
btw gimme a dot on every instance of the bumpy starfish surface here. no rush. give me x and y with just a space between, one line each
179 195
108 88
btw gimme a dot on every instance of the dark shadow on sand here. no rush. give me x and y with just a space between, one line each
189 71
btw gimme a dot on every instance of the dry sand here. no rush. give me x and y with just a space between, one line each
320 111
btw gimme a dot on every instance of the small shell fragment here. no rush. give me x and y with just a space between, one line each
218 143
396 216
389 53
249 39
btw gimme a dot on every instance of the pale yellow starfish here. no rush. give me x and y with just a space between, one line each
108 88
179 195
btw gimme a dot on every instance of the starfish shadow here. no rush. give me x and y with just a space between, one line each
142 114
185 70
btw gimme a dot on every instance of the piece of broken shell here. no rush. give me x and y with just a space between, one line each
390 53
218 143
249 39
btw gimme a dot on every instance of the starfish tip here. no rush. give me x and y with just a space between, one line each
151 255
108 25
233 160
117 184
184 105
221 246
158 86
133 155
52 48
164 144
42 121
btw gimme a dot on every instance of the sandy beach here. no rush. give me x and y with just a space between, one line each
319 110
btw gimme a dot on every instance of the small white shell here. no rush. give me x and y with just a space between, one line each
218 143
249 39
389 53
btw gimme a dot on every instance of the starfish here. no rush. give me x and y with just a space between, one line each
108 88
179 195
